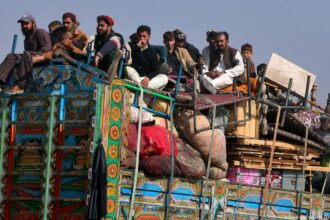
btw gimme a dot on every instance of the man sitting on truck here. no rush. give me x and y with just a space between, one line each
225 64
106 42
66 39
37 41
210 38
145 63
176 56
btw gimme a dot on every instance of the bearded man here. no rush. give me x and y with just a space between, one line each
106 42
37 41
225 64
75 40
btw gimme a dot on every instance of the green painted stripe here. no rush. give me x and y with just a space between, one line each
3 132
98 112
114 181
167 98
49 151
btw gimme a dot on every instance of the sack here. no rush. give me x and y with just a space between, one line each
202 140
132 138
162 122
187 154
146 117
127 158
159 166
157 142
217 173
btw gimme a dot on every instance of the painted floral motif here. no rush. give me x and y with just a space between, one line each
112 170
110 206
115 114
111 189
114 132
316 203
220 190
32 116
116 95
113 151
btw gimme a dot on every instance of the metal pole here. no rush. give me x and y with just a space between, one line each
260 87
286 101
248 73
209 159
194 98
304 167
264 202
13 47
172 106
136 170
307 90
168 198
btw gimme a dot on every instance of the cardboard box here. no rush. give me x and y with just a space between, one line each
293 180
244 176
276 179
254 177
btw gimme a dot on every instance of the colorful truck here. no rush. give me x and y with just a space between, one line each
49 135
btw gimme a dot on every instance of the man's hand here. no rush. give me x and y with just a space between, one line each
96 61
201 61
140 44
67 42
169 70
145 81
214 74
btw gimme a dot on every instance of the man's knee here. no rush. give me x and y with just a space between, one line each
11 56
163 78
132 74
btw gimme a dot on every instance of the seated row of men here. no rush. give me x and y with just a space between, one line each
150 65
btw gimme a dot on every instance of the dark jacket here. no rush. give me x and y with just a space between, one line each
145 62
105 47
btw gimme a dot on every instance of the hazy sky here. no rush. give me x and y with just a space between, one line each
298 30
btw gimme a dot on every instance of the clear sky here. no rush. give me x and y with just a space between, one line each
298 30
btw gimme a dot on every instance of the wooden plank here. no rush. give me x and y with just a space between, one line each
277 161
279 71
278 144
249 129
318 168
266 154
262 166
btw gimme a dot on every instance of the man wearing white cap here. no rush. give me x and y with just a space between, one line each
37 41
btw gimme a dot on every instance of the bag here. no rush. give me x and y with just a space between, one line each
159 166
146 117
127 158
217 173
187 154
202 140
163 122
132 138
157 142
